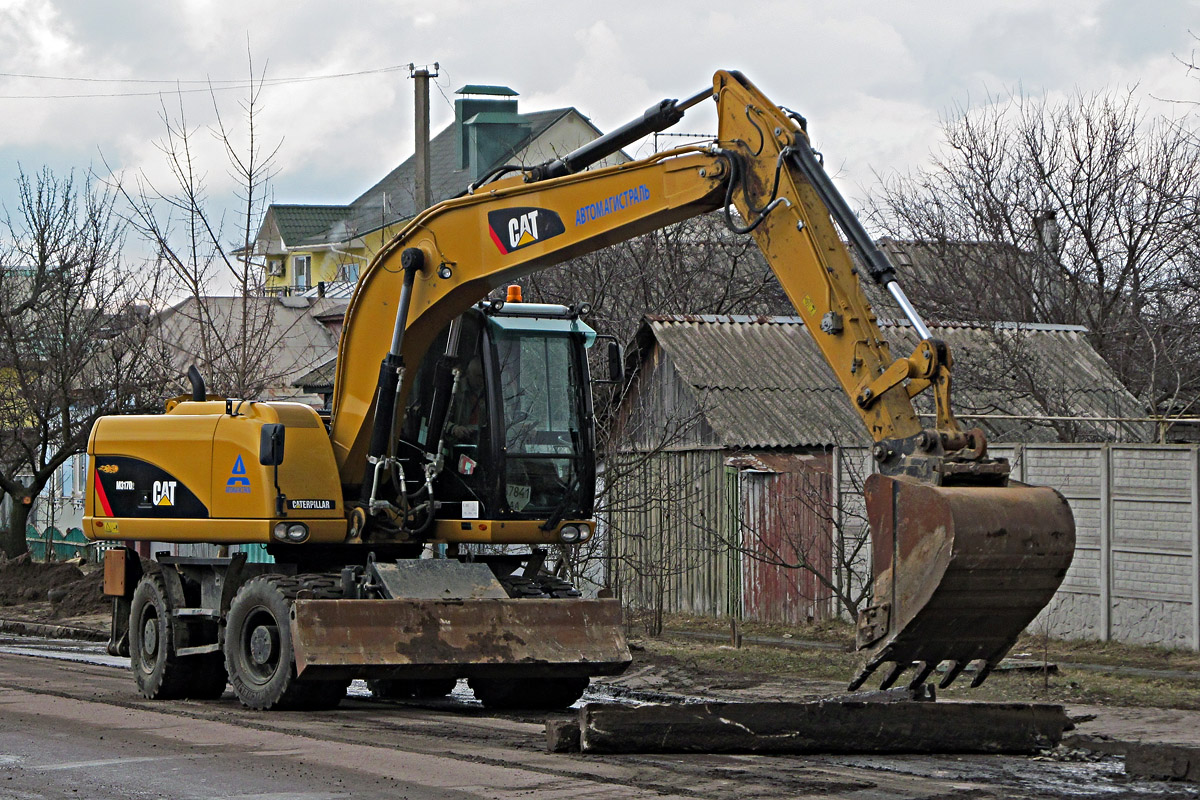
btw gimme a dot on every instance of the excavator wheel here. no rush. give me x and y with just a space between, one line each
258 649
411 689
541 694
160 674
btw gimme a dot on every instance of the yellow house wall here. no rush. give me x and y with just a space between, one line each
327 264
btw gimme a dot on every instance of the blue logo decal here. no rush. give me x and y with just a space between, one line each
238 483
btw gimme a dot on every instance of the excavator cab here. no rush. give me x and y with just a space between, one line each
503 398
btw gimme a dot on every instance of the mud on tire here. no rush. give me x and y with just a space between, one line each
257 644
159 673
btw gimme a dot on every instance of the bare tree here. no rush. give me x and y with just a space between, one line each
1080 211
225 319
74 333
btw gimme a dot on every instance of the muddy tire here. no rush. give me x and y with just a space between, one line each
412 689
158 672
257 645
553 586
541 694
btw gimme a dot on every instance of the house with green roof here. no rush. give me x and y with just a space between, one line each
306 245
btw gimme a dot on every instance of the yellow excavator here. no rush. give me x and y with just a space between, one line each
477 428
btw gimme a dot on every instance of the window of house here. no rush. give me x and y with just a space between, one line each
302 272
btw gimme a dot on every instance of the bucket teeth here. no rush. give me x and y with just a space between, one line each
863 674
983 673
956 668
892 676
925 669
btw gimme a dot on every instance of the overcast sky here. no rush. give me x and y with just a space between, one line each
873 78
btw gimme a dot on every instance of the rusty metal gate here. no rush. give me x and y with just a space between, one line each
783 503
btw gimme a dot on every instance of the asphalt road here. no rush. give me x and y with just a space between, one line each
72 728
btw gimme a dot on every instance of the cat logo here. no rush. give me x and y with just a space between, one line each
163 493
514 228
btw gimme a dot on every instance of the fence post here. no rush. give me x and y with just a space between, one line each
1105 576
1195 576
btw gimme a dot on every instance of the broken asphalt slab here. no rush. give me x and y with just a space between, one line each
826 726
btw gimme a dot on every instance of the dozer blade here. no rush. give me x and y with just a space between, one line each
959 572
414 638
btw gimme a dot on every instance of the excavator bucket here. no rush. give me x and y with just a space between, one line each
431 638
959 572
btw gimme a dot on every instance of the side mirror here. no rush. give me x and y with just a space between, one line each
616 363
270 445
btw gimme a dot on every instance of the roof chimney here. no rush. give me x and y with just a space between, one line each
1045 226
487 127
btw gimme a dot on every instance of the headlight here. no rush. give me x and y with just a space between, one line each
569 534
297 532
281 531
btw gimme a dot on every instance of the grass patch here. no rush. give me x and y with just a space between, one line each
835 631
815 664
1076 686
1110 653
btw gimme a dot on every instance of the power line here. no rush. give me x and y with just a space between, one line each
442 91
207 85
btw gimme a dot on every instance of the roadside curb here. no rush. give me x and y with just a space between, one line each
46 630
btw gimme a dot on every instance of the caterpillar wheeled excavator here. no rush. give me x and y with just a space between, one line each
459 420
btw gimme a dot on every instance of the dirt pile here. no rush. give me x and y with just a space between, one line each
70 590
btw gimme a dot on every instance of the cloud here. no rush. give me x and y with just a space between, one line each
872 76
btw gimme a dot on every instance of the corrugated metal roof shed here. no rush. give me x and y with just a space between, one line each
762 382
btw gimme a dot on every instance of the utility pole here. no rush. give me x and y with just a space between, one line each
424 191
